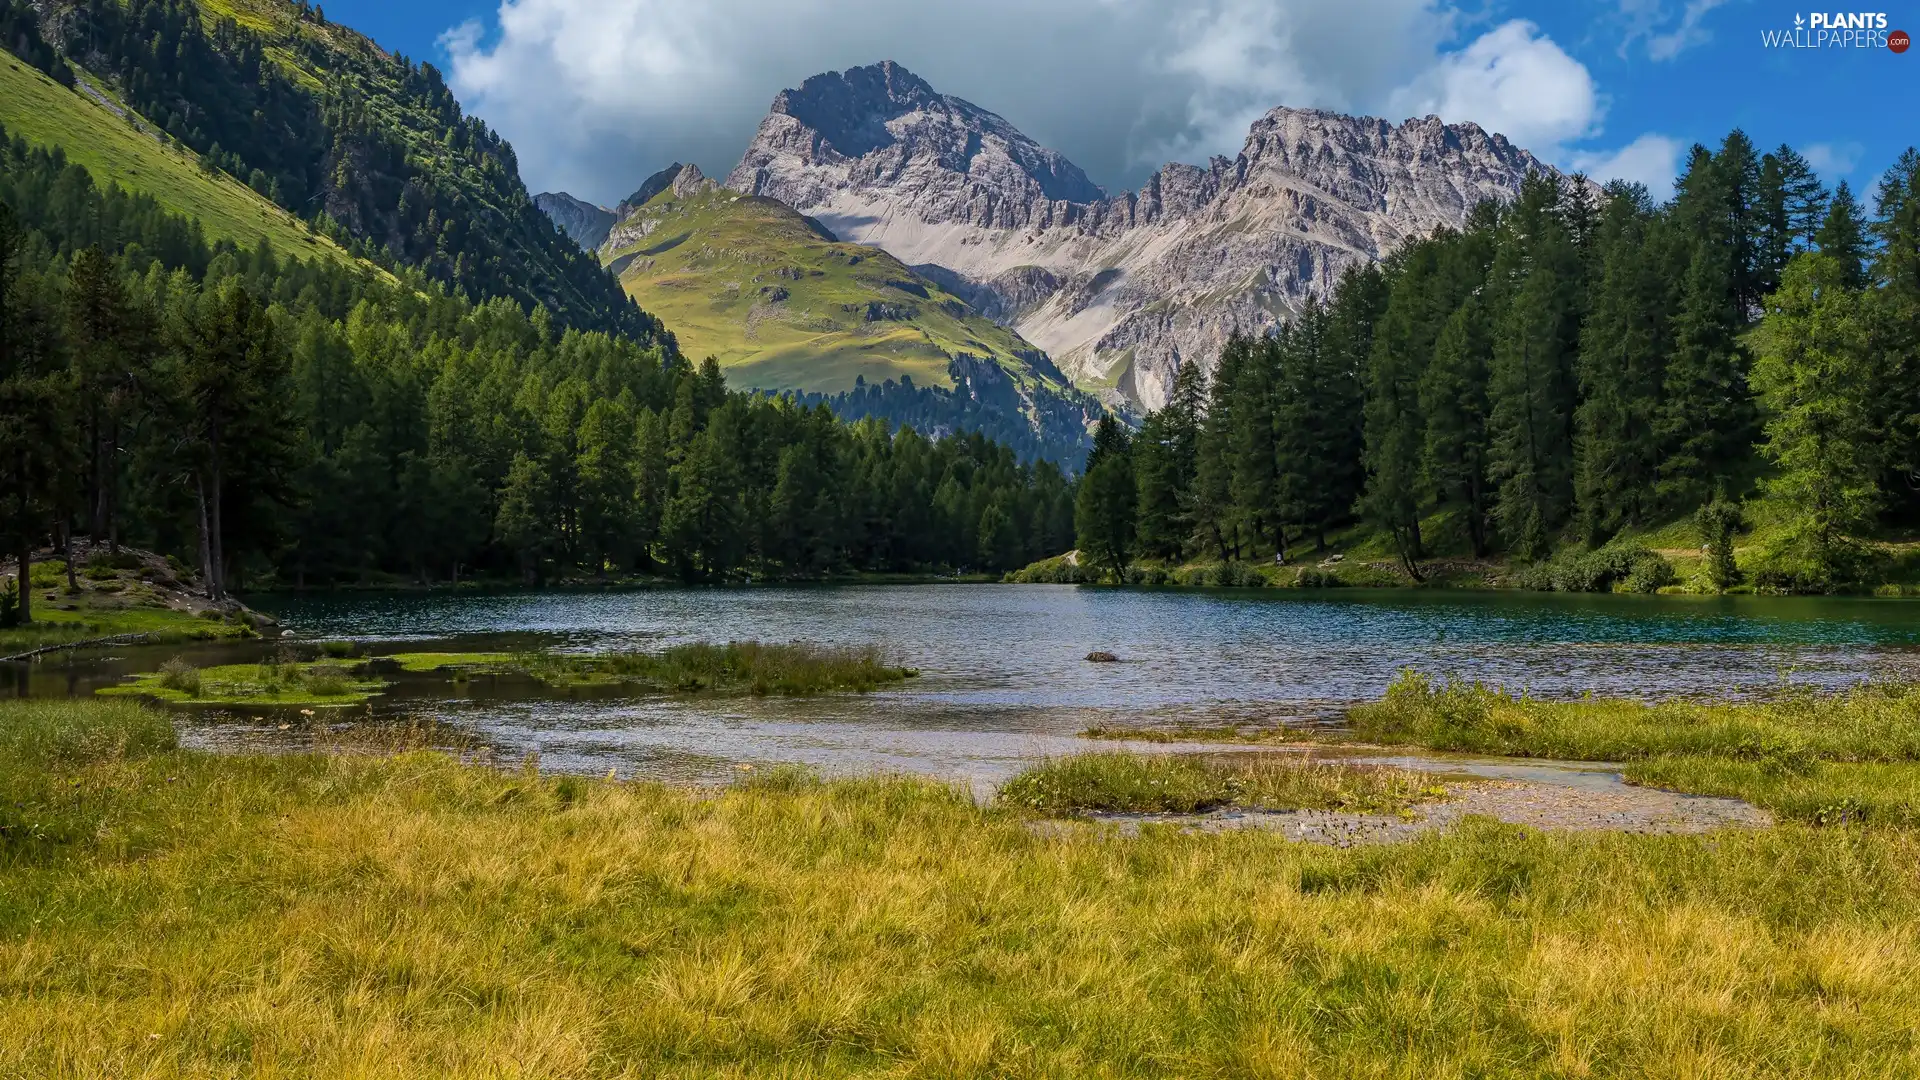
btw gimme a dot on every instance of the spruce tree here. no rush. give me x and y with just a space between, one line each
1894 312
1818 380
1791 205
1531 385
1624 344
1104 510
1395 430
1842 236
1211 503
1453 394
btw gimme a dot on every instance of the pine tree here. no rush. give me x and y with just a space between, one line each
525 522
1706 416
1531 385
1253 484
1818 380
1453 394
604 466
1791 206
1211 505
1894 315
1104 510
32 431
1843 236
1395 430
1623 353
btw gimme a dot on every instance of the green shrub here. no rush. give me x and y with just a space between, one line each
177 674
1628 566
327 683
337 649
48 574
1797 564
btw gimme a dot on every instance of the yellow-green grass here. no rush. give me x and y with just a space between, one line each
54 625
1193 783
738 667
324 682
713 265
1803 755
34 107
175 914
452 661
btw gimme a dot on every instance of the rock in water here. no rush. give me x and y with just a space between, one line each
1117 290
1102 658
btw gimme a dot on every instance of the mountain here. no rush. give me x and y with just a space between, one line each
785 306
584 222
366 148
1118 290
116 146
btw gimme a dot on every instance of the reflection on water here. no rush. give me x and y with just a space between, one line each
1004 672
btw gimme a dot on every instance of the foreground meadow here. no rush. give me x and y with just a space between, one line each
401 914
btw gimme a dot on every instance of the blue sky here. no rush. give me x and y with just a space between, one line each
595 94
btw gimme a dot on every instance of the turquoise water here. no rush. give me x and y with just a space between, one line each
1005 676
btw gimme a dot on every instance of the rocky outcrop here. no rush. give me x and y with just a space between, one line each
1118 290
586 223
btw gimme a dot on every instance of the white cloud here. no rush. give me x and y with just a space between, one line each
1514 80
1833 161
595 94
1666 35
1653 160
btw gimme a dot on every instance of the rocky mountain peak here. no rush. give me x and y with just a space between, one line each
1119 291
586 223
903 134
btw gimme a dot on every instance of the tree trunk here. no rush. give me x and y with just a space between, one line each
66 552
26 577
217 548
206 547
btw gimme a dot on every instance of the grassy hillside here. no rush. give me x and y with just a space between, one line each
114 151
784 306
370 148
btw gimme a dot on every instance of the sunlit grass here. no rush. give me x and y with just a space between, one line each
748 667
1813 756
174 914
1194 783
327 681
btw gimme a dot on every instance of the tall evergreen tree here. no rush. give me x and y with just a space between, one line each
1624 345
1818 380
1105 509
1395 431
1531 386
1842 236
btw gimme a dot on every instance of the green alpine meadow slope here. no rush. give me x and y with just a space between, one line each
784 306
116 146
268 99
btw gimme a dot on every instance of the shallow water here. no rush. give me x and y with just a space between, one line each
1004 676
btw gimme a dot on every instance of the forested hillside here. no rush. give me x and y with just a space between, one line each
284 422
1565 371
368 147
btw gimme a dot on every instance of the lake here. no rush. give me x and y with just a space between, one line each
1004 671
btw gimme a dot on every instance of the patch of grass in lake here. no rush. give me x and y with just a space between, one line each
1803 754
1190 784
408 915
738 667
472 662
327 681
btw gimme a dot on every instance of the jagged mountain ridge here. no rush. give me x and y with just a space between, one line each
1118 290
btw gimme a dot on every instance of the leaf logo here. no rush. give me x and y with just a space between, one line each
1799 21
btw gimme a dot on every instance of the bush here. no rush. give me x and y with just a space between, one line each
1316 578
1628 566
1797 564
177 674
327 683
9 605
117 560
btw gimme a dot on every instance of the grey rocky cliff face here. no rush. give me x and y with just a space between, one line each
586 223
1119 290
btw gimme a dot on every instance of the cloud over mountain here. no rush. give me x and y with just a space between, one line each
594 93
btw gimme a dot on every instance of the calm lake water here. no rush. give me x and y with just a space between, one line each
1004 675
